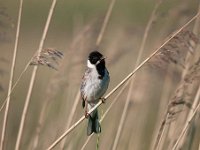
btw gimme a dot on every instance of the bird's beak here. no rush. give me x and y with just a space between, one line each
102 58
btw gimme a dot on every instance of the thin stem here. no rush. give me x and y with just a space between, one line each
98 41
199 146
161 134
15 84
120 84
124 113
190 117
195 103
24 113
105 22
86 142
11 76
72 113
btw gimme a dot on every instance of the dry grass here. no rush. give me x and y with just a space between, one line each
11 76
32 80
159 108
48 57
176 52
123 82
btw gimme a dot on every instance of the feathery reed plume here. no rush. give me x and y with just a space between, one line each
189 120
82 38
185 41
193 73
98 41
11 76
72 114
128 98
82 42
48 57
25 109
190 80
120 84
176 50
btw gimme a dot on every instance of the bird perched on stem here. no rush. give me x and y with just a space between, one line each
94 84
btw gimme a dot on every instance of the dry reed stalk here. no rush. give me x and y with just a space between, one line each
59 81
190 118
196 29
121 83
72 113
105 22
98 41
74 45
164 94
195 71
176 52
180 103
11 76
141 50
48 57
199 146
185 89
194 105
106 112
191 78
14 85
21 127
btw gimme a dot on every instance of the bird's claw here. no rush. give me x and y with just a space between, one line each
86 114
103 100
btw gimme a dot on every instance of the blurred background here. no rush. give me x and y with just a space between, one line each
73 30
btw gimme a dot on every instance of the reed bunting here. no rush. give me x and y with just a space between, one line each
94 84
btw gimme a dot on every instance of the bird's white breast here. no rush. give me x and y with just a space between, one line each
95 87
90 65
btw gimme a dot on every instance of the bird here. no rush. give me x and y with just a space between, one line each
94 84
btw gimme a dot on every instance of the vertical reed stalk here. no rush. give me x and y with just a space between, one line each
199 146
98 41
124 113
189 59
190 118
162 105
105 22
15 84
33 77
71 116
11 76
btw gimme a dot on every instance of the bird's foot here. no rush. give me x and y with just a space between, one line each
103 99
87 114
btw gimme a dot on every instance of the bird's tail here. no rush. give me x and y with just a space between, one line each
93 123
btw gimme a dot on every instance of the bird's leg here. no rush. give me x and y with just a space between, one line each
103 99
86 109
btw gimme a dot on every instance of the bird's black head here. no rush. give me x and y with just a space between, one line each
96 58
